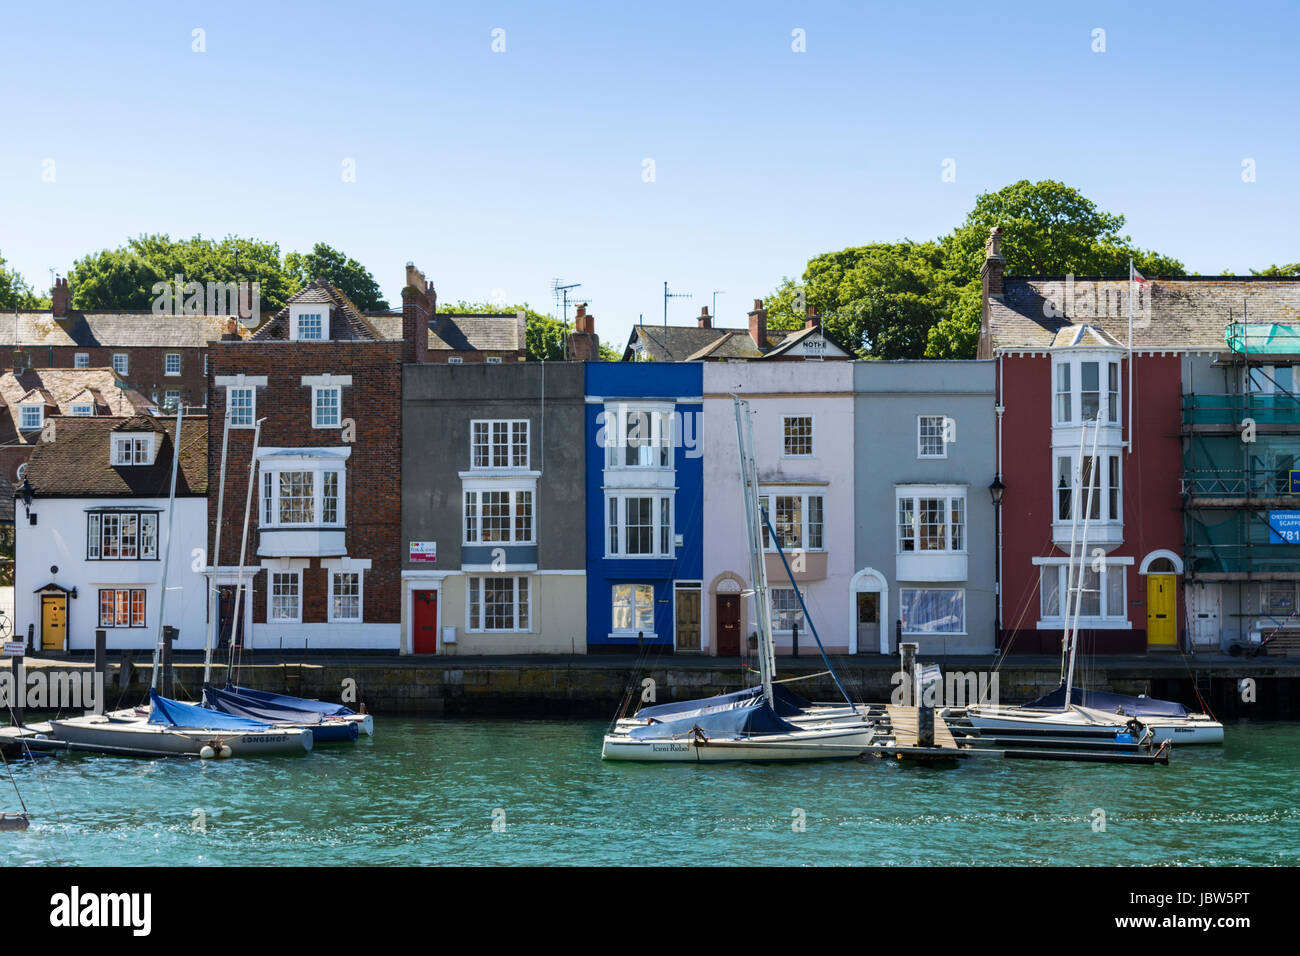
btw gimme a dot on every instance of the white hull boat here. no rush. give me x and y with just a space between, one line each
138 737
1085 723
693 747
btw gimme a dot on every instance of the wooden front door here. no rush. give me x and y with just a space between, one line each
868 614
688 619
728 625
424 622
54 622
226 624
1162 618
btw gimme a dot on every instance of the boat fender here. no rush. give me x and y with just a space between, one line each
700 738
207 753
1134 727
225 750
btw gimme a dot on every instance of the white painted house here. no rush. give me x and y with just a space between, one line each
803 442
89 546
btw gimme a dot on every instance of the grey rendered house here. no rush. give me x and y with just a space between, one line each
493 528
925 537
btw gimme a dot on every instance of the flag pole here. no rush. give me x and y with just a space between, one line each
1129 444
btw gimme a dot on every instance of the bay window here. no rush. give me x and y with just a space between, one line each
1091 379
639 525
498 604
638 437
932 522
1101 478
797 518
301 498
498 516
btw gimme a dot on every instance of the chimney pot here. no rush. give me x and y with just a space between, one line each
705 321
993 271
811 322
60 297
758 325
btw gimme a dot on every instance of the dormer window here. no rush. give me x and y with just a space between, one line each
31 417
132 450
83 408
309 323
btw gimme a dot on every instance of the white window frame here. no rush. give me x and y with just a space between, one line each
1109 403
915 496
779 628
474 591
493 360
81 360
455 360
511 444
616 545
316 392
1101 494
83 409
252 405
614 630
130 450
1108 618
171 398
658 416
903 604
167 363
921 436
333 618
785 436
268 506
131 592
474 493
122 367
296 314
767 500
24 410
271 575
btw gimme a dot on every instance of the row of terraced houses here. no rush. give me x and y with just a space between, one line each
418 487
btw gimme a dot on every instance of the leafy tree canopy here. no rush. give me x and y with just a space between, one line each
347 275
15 293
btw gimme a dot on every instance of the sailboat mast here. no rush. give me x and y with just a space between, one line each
235 629
167 548
1083 555
213 605
757 567
1067 599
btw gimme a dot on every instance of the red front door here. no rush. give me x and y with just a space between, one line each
728 625
425 618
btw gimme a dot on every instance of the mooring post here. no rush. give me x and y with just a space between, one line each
794 634
925 705
101 667
31 638
168 679
907 654
20 689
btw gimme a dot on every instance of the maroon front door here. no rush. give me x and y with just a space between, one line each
425 622
728 625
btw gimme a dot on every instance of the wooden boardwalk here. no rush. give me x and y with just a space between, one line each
903 720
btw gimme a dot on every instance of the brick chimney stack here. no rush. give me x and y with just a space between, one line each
993 270
812 321
419 305
584 344
60 297
758 325
706 321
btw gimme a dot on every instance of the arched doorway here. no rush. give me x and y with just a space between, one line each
725 591
868 613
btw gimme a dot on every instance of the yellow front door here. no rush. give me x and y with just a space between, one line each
54 622
1162 617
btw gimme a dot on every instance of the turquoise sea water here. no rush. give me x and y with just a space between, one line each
424 791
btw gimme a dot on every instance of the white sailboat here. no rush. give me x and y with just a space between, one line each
1071 716
756 725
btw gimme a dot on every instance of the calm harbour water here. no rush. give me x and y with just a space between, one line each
423 791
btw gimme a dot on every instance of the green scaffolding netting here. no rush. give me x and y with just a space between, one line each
1263 338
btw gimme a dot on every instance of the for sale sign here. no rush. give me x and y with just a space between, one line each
424 552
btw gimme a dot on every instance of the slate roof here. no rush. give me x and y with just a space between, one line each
685 343
346 321
6 500
77 464
58 387
135 329
1184 313
477 332
387 325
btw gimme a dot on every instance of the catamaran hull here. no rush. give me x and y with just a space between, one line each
152 740
1029 726
813 746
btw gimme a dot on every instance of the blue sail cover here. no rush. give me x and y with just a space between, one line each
287 702
241 706
752 720
1111 703
788 704
172 713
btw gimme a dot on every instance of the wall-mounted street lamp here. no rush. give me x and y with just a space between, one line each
996 490
28 493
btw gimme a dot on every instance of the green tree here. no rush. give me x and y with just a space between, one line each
347 275
1282 272
15 293
125 277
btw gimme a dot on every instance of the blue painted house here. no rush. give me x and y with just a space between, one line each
645 517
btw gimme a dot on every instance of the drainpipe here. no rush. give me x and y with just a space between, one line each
999 408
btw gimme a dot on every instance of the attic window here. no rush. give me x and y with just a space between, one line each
83 408
454 360
133 449
309 323
32 417
82 360
494 359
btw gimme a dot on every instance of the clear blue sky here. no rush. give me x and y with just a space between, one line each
502 171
